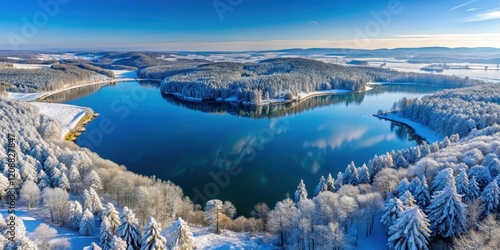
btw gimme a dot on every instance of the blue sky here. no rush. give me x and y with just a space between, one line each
247 24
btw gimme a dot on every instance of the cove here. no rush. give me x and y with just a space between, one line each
243 154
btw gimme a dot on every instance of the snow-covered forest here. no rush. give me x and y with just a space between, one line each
282 78
46 79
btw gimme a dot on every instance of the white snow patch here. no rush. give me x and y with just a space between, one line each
25 96
30 66
323 92
125 73
68 115
423 131
229 240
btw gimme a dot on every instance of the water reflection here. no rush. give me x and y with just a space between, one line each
75 93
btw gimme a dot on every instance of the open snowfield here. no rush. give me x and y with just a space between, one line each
77 241
68 115
125 73
30 66
423 131
28 97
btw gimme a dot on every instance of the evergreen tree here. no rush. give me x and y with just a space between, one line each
321 187
422 195
490 198
402 187
442 180
301 192
75 214
473 190
129 230
364 175
87 201
63 182
94 180
118 244
96 201
113 215
408 199
392 212
447 213
410 231
351 175
75 179
152 239
462 182
106 235
87 223
414 185
330 183
182 238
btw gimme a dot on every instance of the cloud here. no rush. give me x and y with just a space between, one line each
472 9
313 22
462 5
484 16
336 139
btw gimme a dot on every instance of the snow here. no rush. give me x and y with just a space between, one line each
77 241
378 238
323 92
25 96
423 131
206 240
125 73
68 115
30 66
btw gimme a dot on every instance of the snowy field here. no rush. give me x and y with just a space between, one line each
125 73
30 66
28 97
68 115
423 131
77 241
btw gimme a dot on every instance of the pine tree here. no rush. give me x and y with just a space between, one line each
301 193
330 183
75 179
87 224
473 190
94 246
182 237
75 214
113 215
414 185
422 195
490 198
321 187
63 182
106 235
96 201
462 182
94 180
339 180
129 230
402 187
392 212
442 180
118 244
364 175
152 239
350 175
410 231
408 199
87 201
446 212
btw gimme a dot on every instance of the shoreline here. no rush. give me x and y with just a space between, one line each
421 130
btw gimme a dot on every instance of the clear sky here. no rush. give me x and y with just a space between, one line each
247 24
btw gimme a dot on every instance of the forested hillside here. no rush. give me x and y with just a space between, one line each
455 111
282 78
46 79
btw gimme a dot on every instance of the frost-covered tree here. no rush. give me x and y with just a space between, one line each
87 201
87 224
403 186
57 202
301 192
75 180
364 175
321 187
408 199
392 212
106 234
410 231
442 180
482 175
43 234
282 221
350 175
94 180
462 182
473 191
213 211
30 193
422 195
96 201
152 239
260 212
446 212
330 183
490 198
75 214
63 182
129 230
113 215
94 246
118 244
182 238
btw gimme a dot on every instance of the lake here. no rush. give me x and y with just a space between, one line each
242 154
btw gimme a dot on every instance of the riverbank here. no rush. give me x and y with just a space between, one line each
421 130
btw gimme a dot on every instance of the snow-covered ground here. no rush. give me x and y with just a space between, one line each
125 73
30 66
68 115
77 241
423 131
25 96
227 240
323 92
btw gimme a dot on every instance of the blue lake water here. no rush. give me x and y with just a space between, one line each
242 154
